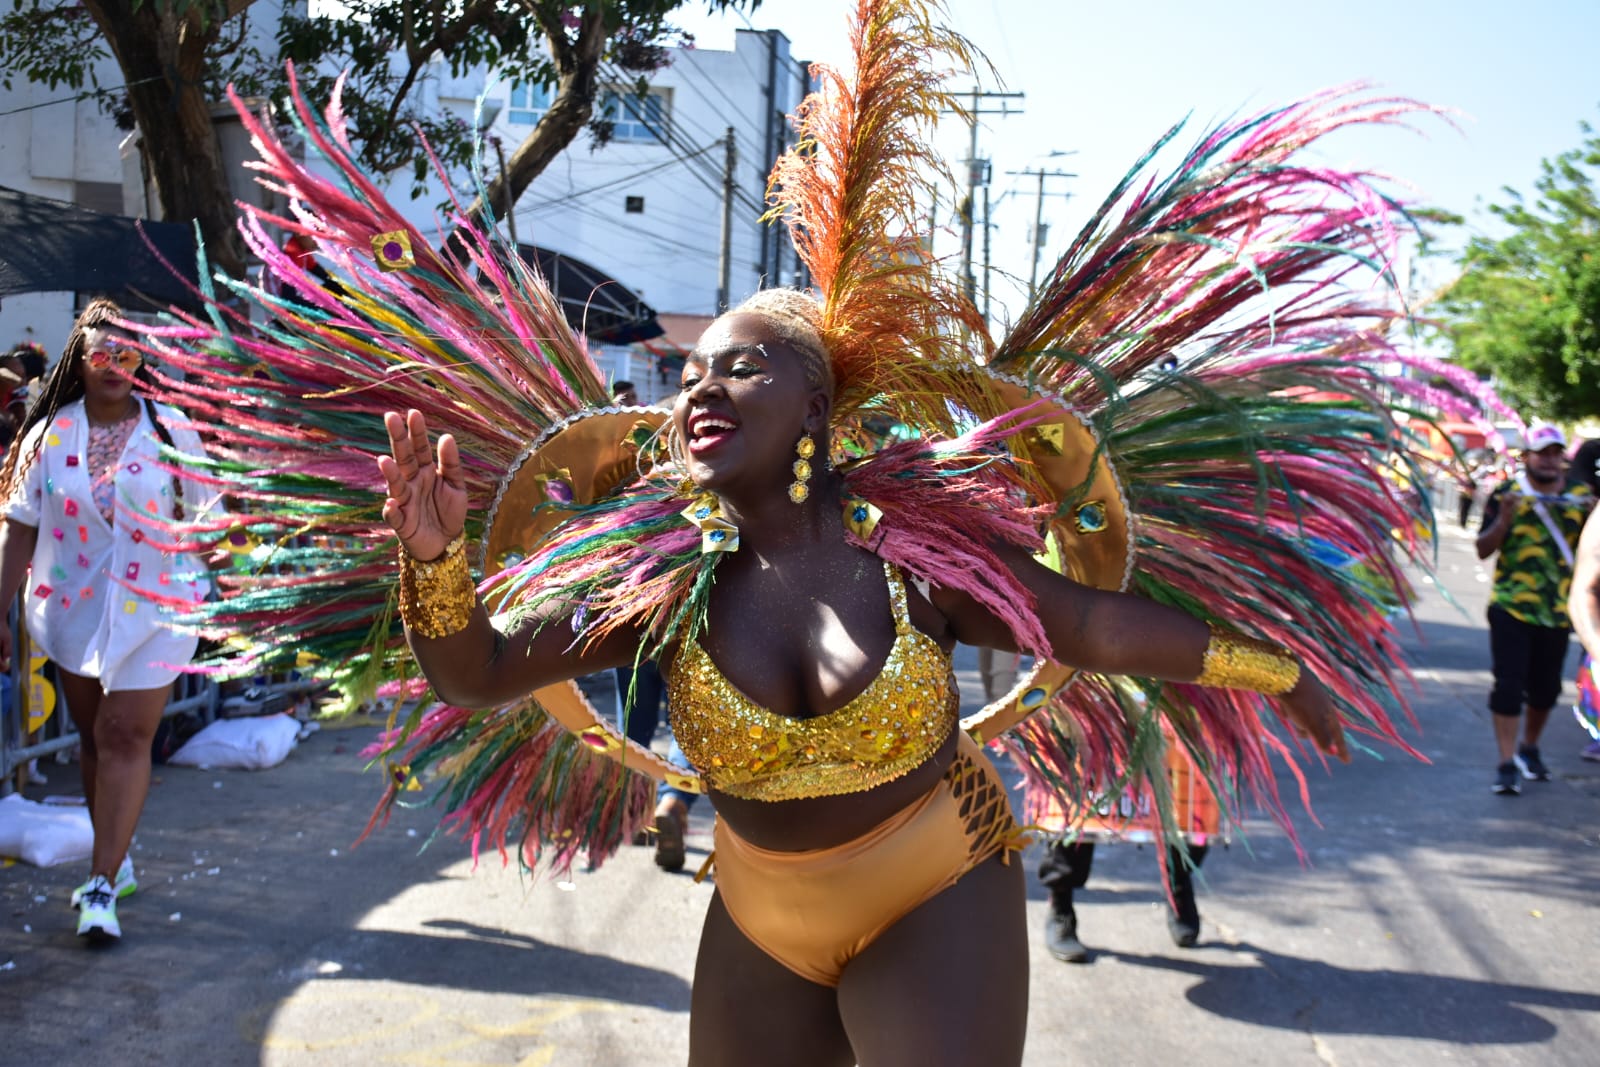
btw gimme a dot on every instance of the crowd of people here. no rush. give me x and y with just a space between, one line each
20 367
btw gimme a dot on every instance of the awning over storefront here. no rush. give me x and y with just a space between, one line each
596 304
52 246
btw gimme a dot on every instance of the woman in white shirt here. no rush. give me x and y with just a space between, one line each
90 514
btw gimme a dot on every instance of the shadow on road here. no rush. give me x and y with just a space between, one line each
501 961
1267 989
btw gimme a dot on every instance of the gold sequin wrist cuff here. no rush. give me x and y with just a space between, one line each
437 596
1237 662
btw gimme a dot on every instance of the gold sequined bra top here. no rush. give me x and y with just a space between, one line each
744 750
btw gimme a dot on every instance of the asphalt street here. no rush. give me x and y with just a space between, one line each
1427 921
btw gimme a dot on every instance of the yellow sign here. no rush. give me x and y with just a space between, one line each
41 694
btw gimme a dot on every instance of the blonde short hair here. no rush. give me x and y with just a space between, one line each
796 318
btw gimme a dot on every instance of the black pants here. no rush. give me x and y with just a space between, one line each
1065 867
1527 660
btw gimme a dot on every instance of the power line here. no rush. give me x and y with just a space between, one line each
734 112
626 179
667 134
643 235
88 95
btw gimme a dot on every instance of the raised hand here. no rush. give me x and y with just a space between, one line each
427 502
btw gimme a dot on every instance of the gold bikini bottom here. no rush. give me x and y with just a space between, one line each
815 911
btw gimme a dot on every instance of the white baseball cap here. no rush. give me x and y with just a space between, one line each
1543 435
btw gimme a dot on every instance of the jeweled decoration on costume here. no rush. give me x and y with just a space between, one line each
717 534
1052 436
861 517
600 739
1034 698
1090 518
556 485
392 250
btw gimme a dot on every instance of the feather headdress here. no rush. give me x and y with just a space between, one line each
1259 483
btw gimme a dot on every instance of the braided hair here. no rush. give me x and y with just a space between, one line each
64 384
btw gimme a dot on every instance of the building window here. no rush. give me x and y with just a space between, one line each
635 118
634 205
104 197
528 103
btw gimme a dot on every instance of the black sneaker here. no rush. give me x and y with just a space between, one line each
1532 767
1505 779
1061 937
1185 930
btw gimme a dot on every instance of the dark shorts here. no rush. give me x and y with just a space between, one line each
1528 661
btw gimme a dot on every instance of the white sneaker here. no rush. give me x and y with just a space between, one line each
97 911
124 886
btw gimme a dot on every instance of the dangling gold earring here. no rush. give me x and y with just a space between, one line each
804 448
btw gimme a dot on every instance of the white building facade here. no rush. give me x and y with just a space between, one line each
647 208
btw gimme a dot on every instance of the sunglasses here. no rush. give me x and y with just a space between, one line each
126 357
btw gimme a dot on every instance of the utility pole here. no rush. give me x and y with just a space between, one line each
977 173
1038 216
767 270
987 233
725 260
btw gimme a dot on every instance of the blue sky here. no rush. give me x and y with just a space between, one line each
1103 80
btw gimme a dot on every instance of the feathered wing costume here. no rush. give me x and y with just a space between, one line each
1193 407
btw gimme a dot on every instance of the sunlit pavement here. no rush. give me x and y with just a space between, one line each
1431 922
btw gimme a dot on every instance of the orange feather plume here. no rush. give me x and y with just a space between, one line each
894 319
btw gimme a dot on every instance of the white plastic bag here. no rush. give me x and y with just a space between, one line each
44 834
247 744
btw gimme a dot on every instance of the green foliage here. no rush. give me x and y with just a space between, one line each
59 44
389 47
1527 306
50 43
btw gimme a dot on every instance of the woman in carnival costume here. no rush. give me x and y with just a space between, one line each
803 585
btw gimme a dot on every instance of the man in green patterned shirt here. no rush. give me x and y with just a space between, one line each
1534 527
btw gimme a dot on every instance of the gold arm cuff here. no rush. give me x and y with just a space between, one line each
1234 661
437 596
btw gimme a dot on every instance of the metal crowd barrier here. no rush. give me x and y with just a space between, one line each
191 692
